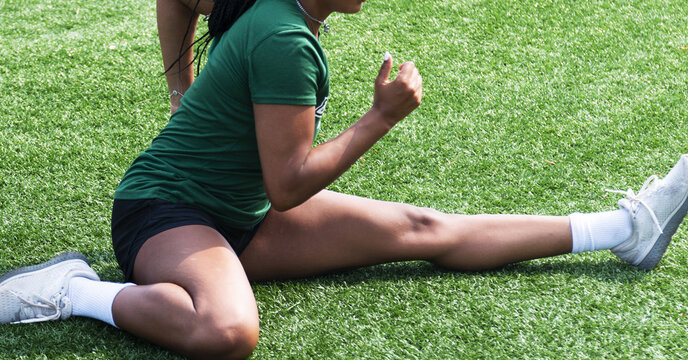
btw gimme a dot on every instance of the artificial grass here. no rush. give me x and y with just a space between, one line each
529 107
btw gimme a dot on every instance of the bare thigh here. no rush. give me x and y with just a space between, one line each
193 286
333 231
199 260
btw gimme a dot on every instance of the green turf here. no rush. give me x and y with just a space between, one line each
529 107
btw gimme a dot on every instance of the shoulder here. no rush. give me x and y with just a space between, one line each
268 24
287 38
267 18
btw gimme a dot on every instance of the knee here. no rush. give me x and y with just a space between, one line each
441 239
424 224
212 339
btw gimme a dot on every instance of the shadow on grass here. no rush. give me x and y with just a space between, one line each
86 338
77 338
611 271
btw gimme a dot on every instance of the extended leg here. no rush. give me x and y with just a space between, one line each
333 231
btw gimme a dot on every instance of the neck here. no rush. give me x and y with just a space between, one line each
314 15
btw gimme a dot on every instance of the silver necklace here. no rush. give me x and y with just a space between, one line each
326 26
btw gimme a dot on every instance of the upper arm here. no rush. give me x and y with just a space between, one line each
287 75
284 134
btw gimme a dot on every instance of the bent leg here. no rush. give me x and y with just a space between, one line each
334 231
193 296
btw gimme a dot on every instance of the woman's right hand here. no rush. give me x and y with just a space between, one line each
394 100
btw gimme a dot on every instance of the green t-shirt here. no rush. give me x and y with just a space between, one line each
207 154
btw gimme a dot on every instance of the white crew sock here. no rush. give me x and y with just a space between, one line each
598 231
94 299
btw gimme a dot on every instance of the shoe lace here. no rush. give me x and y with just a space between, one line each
635 198
41 303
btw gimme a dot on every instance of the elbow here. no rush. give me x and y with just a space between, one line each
279 204
282 199
289 191
283 204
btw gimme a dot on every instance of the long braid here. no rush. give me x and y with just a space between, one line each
224 14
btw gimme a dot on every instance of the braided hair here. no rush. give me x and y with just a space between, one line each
223 15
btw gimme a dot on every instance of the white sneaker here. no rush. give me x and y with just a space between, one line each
37 293
656 211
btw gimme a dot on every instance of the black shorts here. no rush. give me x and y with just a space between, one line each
135 221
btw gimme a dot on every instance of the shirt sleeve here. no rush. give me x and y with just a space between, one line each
286 68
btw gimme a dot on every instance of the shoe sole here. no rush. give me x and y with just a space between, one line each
72 255
657 252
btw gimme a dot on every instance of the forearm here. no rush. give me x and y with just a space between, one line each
294 170
173 20
323 164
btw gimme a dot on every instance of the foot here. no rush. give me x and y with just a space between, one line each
37 293
656 211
